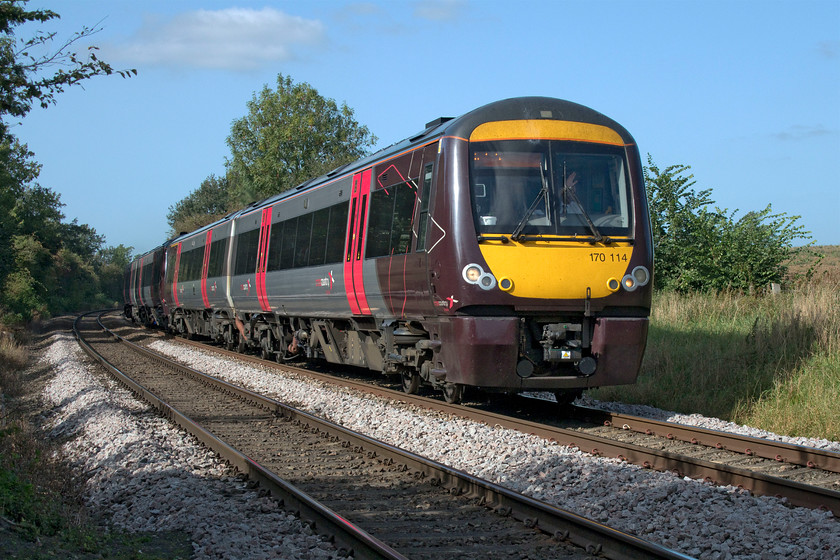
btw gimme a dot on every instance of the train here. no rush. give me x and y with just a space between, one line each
508 249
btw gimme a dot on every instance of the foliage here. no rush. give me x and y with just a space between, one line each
291 134
206 204
109 265
700 248
22 82
46 264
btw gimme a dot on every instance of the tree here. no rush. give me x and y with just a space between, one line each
291 134
700 248
22 79
206 204
110 264
45 264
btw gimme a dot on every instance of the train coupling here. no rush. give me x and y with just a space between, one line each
562 343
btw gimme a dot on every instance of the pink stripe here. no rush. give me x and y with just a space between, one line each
262 258
359 257
351 242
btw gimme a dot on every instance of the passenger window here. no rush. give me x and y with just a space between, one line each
287 254
337 229
318 241
246 252
424 207
302 247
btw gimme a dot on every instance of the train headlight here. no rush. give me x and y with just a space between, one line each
487 281
629 283
641 275
613 285
505 284
472 273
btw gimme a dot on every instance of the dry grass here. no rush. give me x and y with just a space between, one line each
768 361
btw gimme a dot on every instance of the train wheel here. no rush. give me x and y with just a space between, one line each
410 382
453 393
242 345
265 347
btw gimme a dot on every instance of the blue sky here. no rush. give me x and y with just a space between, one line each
745 92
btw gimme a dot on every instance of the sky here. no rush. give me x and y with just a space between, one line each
745 92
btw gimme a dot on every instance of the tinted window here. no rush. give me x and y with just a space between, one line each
337 229
391 212
309 240
304 230
287 256
190 266
246 252
218 252
424 207
318 240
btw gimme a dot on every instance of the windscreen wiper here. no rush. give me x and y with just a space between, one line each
543 194
597 237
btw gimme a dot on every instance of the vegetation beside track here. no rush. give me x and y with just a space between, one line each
769 361
41 510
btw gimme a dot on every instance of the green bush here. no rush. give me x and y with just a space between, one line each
698 248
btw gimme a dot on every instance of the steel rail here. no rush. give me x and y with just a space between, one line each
758 483
325 521
748 445
589 535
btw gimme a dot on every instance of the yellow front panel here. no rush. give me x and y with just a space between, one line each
545 130
557 270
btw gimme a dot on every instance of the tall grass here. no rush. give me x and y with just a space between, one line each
769 361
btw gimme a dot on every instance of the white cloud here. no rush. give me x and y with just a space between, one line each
232 39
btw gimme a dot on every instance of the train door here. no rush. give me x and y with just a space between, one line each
175 269
205 263
354 284
262 259
139 282
397 232
169 297
131 293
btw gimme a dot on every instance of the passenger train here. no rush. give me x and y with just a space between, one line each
508 249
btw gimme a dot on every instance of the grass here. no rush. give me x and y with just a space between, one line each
772 362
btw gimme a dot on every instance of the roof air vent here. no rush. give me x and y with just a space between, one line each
437 122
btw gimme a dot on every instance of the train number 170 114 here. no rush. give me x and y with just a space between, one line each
608 257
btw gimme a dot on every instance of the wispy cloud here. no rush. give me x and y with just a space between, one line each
829 49
231 39
440 10
803 132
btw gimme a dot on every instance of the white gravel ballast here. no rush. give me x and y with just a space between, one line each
129 446
146 474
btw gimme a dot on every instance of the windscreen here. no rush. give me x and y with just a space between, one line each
523 188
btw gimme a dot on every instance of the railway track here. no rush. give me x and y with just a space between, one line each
374 499
806 476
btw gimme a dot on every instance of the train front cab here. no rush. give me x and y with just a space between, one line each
546 299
